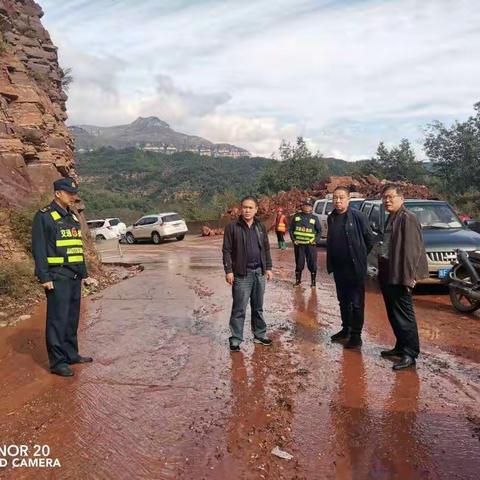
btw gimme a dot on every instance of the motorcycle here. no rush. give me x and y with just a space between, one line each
464 283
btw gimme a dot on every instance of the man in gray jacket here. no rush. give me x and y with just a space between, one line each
402 261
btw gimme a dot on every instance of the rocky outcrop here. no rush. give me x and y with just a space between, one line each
35 145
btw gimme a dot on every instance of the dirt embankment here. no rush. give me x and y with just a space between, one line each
368 186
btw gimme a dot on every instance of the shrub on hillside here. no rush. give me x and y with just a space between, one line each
17 282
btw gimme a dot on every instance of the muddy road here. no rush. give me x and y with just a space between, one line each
165 399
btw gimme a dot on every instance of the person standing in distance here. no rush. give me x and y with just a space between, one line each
60 267
305 231
402 261
281 228
247 263
349 241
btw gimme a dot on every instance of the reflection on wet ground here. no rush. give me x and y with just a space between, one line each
165 399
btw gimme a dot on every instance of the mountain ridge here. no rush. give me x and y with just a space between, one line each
149 134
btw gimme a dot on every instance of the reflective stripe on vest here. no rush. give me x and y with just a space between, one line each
55 260
61 260
69 243
55 215
304 235
74 250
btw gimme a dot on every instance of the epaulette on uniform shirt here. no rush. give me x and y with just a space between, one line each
46 209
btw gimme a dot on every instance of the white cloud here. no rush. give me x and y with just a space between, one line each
345 74
258 135
178 105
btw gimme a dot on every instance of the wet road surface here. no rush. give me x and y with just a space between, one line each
165 399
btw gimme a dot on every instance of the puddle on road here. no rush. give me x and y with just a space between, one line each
166 399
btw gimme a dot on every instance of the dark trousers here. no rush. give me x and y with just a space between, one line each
280 237
399 305
63 313
308 252
248 288
351 297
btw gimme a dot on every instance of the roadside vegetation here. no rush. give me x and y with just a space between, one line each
130 183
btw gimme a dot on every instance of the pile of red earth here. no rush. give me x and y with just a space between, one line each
367 186
210 232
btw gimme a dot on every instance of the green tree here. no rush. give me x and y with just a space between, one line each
455 152
398 163
298 168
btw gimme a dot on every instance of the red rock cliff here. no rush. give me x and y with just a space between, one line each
35 145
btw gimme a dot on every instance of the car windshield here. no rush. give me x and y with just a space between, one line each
435 215
114 221
95 224
171 218
356 204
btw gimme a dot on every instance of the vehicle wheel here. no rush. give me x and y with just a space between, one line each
156 238
130 238
461 302
180 238
99 237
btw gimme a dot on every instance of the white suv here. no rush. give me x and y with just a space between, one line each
107 228
157 228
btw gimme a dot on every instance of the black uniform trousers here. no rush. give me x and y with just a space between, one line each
351 298
308 252
63 313
399 304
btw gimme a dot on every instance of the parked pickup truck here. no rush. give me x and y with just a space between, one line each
443 233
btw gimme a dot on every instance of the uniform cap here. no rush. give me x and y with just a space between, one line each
67 184
308 202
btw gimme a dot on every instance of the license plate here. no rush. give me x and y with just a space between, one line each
444 272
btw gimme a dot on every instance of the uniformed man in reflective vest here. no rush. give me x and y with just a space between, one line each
304 231
60 267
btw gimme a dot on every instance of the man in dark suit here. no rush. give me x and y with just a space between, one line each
349 241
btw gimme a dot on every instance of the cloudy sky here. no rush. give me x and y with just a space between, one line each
344 74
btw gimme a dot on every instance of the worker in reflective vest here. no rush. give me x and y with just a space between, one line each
60 266
304 231
281 228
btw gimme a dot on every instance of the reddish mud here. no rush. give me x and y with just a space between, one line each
165 399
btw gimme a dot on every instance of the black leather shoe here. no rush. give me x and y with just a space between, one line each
391 353
313 283
81 360
298 279
354 342
406 362
343 334
234 348
63 370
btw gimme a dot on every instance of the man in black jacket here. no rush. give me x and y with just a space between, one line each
247 262
349 241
